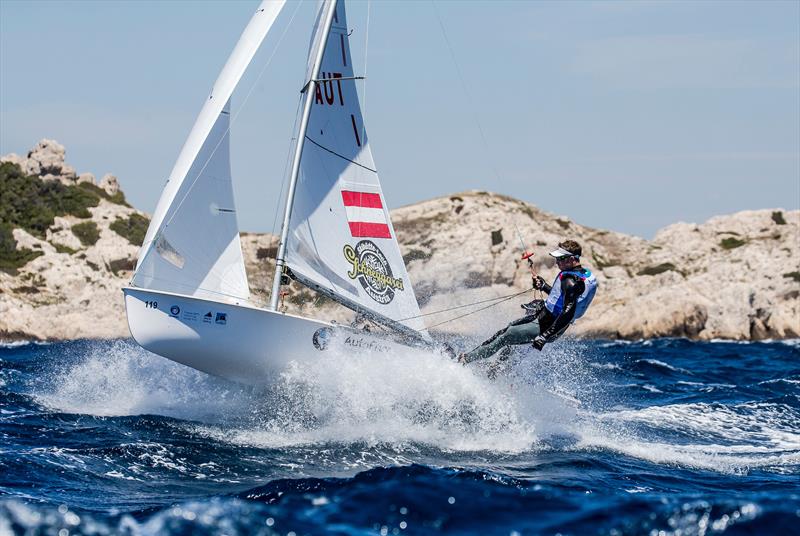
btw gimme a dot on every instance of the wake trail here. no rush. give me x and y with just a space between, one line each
402 405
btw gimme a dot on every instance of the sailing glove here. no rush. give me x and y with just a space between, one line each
538 282
539 342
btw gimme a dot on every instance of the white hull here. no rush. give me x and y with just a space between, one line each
238 342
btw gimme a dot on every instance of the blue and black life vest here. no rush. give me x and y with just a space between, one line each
555 300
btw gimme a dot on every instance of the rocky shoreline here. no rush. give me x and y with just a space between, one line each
733 277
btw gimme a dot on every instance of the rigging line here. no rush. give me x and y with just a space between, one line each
227 131
476 310
340 156
284 175
496 298
466 93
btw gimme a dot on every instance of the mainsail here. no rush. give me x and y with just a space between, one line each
192 245
340 238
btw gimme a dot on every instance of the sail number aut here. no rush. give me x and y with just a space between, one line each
189 298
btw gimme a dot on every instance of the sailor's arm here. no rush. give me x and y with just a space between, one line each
571 289
541 284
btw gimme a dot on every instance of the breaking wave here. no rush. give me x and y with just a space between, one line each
406 404
672 436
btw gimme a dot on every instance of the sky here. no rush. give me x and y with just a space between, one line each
627 115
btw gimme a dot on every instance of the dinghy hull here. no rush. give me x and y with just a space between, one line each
241 343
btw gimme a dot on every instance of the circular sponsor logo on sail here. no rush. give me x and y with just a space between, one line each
370 266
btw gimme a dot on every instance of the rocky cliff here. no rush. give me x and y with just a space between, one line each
68 244
733 277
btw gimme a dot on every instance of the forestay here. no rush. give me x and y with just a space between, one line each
340 236
192 245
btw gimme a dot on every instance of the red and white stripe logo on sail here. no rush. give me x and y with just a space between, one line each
365 215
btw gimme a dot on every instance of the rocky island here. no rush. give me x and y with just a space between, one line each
68 243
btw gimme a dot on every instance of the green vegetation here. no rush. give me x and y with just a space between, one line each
31 203
777 217
266 253
794 276
122 265
416 254
497 237
731 243
11 259
118 198
29 289
61 248
658 269
87 232
133 228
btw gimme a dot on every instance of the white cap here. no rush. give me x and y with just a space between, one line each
561 252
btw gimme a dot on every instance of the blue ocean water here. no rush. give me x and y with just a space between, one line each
654 437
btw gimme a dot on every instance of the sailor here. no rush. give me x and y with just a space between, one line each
546 320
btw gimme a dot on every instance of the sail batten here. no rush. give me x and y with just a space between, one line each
340 239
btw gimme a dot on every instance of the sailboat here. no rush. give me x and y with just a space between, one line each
189 299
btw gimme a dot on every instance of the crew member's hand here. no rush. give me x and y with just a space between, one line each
539 342
538 283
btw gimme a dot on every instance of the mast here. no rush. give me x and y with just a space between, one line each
309 89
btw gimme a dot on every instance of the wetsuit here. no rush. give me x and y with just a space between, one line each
548 320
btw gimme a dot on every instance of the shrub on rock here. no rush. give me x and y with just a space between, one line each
732 243
118 198
658 269
30 203
87 232
132 228
11 258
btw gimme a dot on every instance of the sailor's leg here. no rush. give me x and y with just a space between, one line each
512 334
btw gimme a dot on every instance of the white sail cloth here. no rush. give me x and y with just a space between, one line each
192 245
340 236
